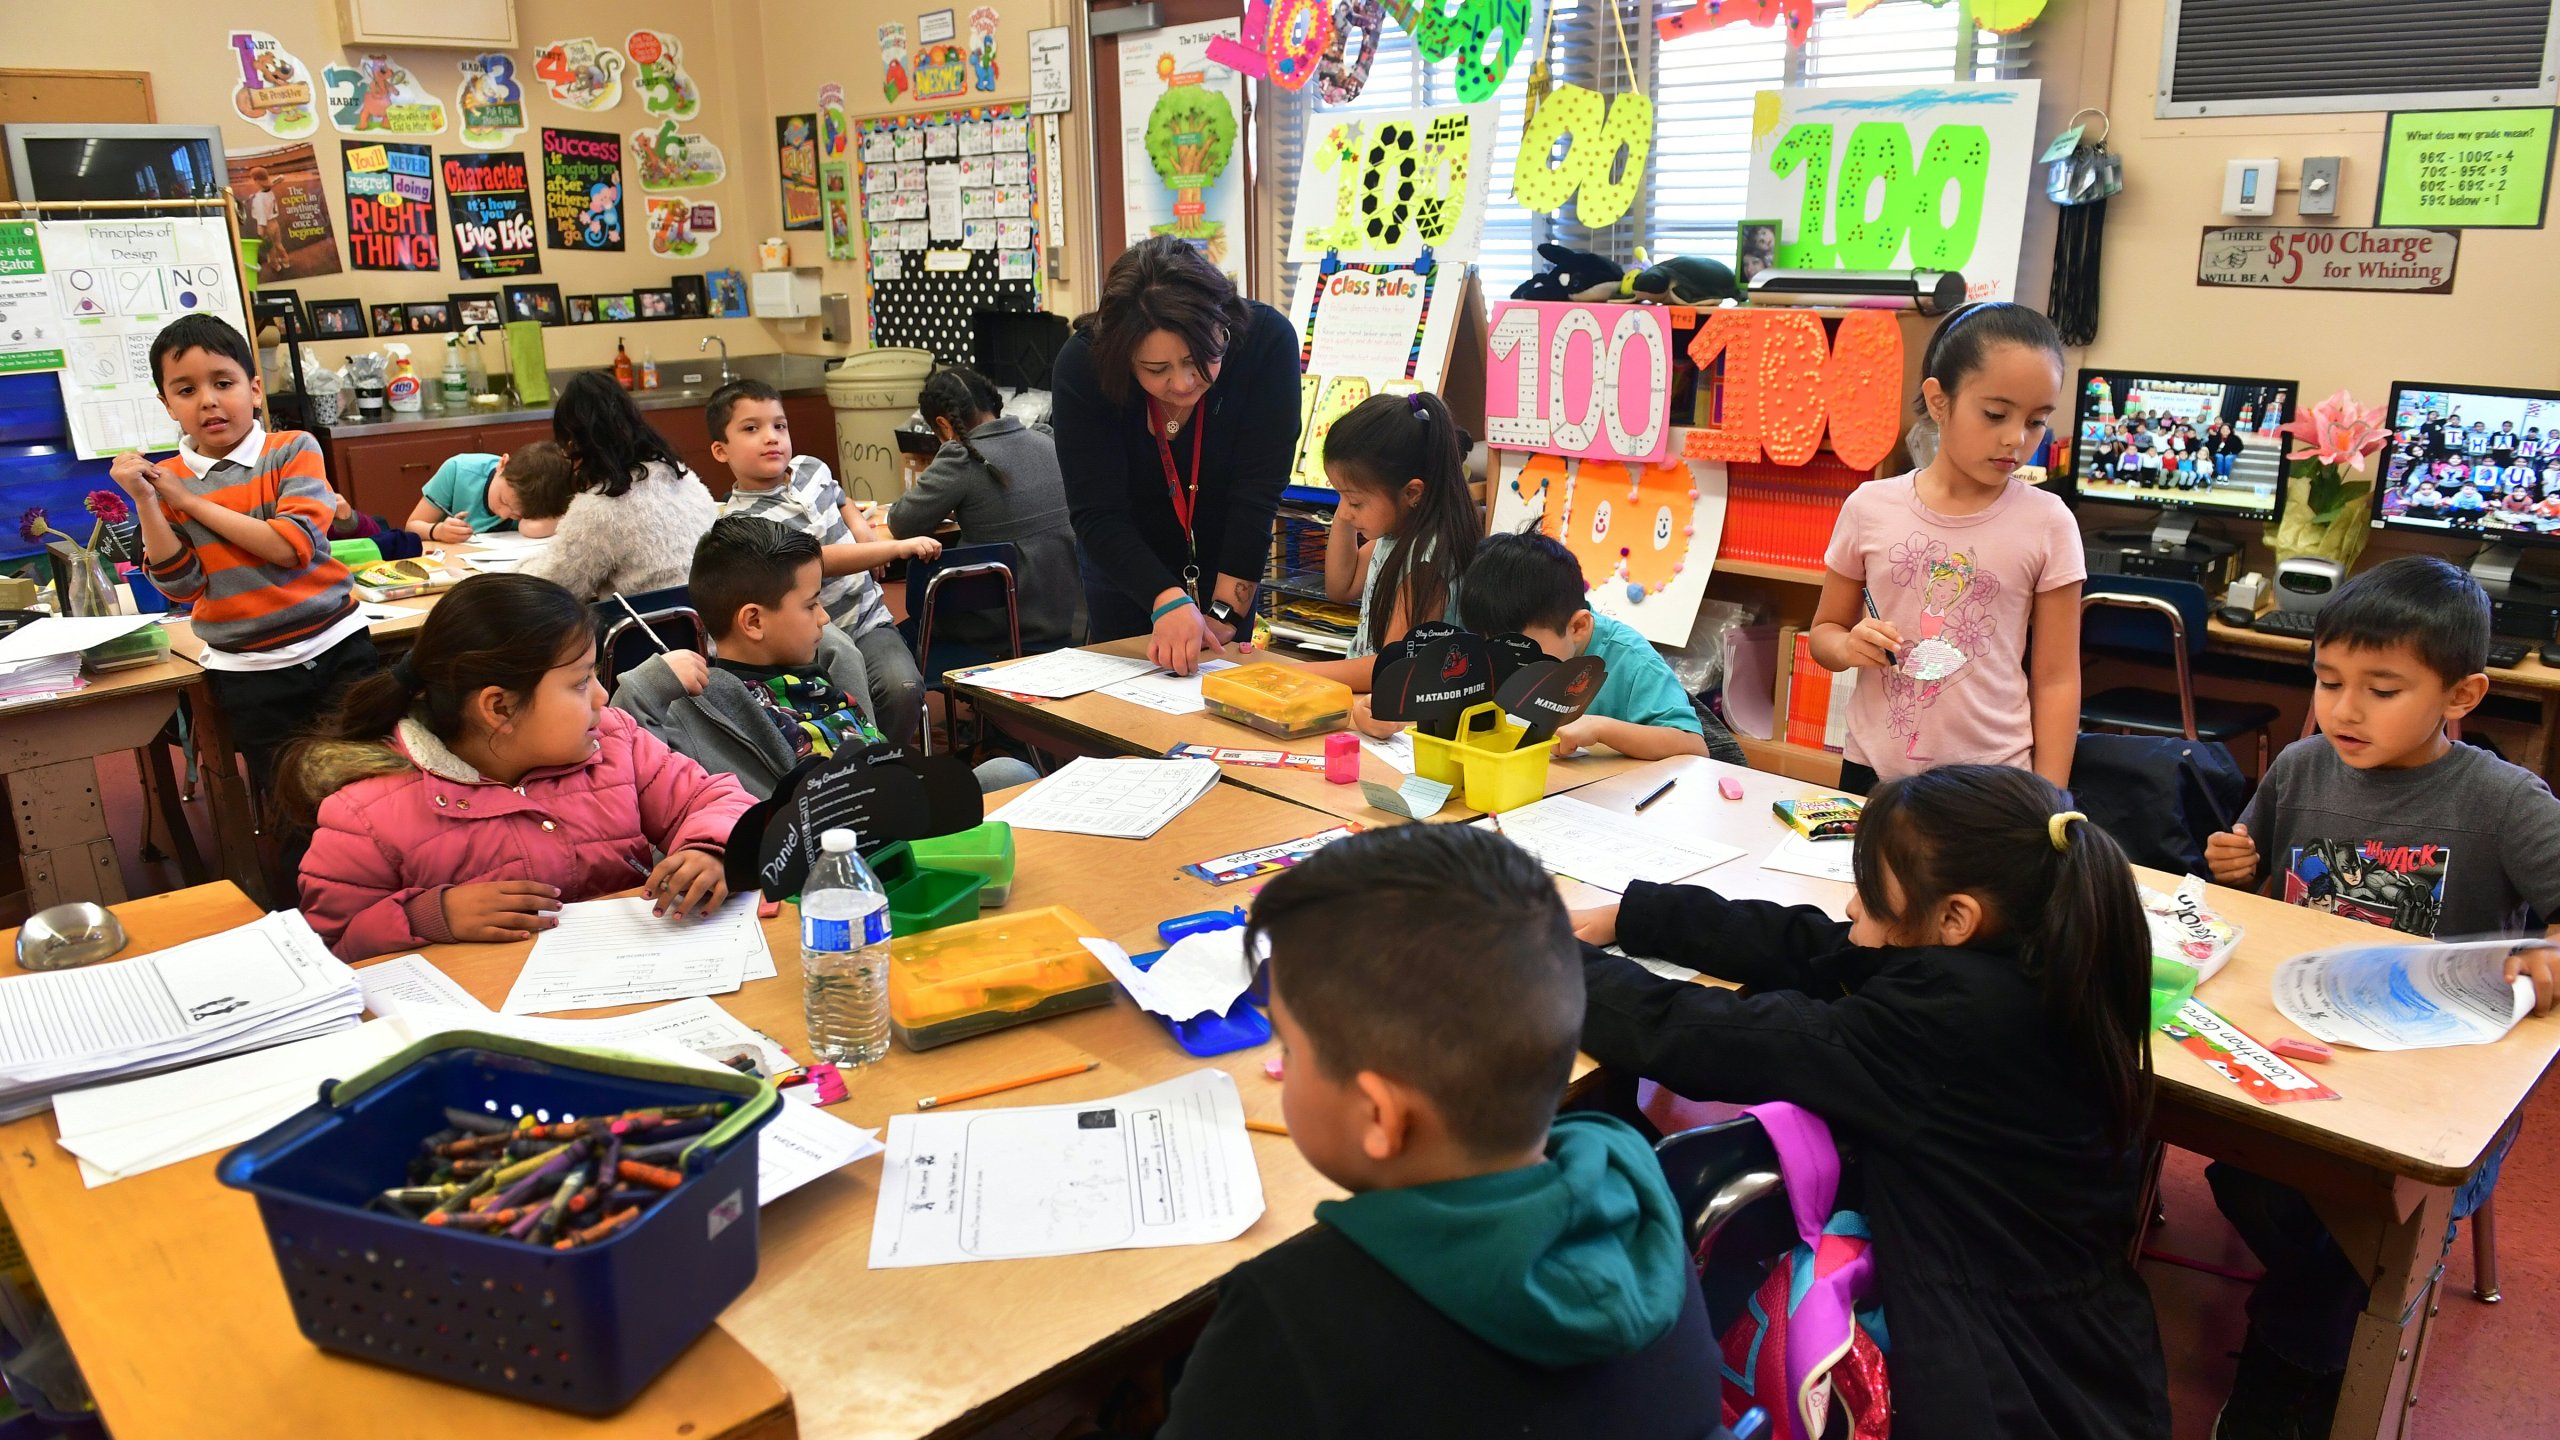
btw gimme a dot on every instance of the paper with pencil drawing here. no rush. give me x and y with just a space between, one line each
1604 848
1167 1165
1064 674
1124 799
391 986
1821 859
1167 692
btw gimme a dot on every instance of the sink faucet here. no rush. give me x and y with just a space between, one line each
726 374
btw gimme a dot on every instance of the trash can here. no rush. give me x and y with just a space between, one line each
873 392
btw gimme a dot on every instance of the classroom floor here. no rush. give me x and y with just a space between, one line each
2484 1364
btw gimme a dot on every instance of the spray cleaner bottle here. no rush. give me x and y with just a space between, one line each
404 388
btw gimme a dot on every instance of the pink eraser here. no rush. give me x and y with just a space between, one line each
1271 1067
2292 1049
767 909
1730 787
828 1081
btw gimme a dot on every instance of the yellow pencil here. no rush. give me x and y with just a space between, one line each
1267 1127
932 1102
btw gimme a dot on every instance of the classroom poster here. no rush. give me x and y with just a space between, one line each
1180 131
1380 187
658 75
582 189
982 45
31 328
275 92
491 101
1365 330
835 172
378 97
671 159
491 200
1898 177
582 73
681 229
277 192
391 207
2486 169
1646 535
795 146
117 284
893 61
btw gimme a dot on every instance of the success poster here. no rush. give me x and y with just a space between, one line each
582 189
391 207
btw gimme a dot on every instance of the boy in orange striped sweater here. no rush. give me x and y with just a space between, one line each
236 525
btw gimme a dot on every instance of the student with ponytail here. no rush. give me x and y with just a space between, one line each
1405 529
471 789
1000 480
1975 1034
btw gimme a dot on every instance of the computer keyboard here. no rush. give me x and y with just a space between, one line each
2507 654
2296 623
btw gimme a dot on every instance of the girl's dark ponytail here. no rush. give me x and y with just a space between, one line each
1383 442
960 395
2094 911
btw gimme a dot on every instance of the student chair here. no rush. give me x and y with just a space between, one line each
666 620
1733 1208
965 579
2126 613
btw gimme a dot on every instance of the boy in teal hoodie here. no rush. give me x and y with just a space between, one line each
1497 1269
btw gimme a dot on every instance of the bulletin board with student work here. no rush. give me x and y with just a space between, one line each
951 214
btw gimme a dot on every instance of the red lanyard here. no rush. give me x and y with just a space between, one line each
1185 500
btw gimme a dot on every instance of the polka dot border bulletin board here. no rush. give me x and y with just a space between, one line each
917 295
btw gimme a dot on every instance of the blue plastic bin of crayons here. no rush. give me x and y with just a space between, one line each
581 1330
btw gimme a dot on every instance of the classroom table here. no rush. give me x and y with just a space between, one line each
49 751
1097 724
2380 1163
168 1292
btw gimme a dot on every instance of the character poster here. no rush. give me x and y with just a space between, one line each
491 199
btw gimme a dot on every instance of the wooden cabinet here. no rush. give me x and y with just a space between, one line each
473 24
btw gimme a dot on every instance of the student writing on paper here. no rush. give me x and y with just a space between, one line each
1399 464
470 789
1977 1032
474 494
1497 1270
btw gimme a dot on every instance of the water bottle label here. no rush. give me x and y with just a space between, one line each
875 927
826 937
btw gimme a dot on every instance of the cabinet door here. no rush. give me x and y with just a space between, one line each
384 474
684 429
473 23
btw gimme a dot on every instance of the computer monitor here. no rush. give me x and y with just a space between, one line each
2477 462
116 162
2186 445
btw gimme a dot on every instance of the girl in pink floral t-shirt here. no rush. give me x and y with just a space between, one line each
1973 575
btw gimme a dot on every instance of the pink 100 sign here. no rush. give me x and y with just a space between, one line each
1591 382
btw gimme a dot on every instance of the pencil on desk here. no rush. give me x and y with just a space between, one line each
935 1102
1266 1127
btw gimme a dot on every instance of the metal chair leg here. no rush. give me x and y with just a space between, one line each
2484 1251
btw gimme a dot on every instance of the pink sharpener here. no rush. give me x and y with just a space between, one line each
1730 788
1342 758
2310 1050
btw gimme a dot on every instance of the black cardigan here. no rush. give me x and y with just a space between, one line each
1115 479
2001 1215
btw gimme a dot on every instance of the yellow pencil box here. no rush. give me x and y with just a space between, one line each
964 980
1280 700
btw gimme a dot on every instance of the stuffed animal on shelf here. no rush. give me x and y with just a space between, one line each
1685 280
1578 275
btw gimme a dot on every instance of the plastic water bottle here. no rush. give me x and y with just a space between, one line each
844 955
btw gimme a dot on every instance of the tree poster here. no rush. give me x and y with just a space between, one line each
391 207
582 189
1181 156
492 203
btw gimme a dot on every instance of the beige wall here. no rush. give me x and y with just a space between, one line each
183 43
2493 329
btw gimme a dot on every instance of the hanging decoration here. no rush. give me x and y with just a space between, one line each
274 92
1282 45
582 74
1785 384
1603 162
659 77
491 102
376 96
940 70
681 229
2000 17
1387 186
1467 32
1339 80
671 160
893 60
835 172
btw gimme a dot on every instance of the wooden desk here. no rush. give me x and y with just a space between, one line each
1096 724
49 751
2380 1163
170 1297
2531 680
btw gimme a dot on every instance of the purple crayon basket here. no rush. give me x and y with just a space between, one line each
582 1330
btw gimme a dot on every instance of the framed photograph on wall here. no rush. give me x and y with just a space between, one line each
337 319
430 317
278 305
728 294
390 319
656 304
617 307
1755 248
477 307
538 303
582 309
693 297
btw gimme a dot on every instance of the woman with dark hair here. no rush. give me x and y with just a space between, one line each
628 509
1176 412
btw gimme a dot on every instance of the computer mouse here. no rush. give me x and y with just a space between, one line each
2239 617
2551 656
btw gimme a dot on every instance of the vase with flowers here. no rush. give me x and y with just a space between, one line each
2326 514
83 583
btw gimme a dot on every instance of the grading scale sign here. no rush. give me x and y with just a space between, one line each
2279 257
2477 168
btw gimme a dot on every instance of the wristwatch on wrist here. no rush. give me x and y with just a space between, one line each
1226 614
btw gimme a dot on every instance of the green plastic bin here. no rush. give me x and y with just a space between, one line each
985 851
924 897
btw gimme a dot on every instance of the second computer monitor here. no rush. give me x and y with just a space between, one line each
2478 461
2200 444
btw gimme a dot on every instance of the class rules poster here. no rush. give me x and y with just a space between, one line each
391 207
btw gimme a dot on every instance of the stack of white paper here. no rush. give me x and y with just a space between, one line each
616 952
1167 692
1127 799
45 675
263 984
67 635
1604 848
1061 674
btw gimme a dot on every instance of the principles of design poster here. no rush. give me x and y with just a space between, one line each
117 283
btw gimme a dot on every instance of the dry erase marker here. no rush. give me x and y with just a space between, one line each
1870 598
1658 792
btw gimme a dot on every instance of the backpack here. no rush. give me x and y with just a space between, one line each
2160 796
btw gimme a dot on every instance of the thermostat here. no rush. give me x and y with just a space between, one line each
2249 187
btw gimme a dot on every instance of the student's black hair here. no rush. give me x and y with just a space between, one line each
502 630
743 560
202 332
724 402
1161 283
1440 957
1965 339
607 441
961 395
1380 444
2071 910
1523 579
2428 604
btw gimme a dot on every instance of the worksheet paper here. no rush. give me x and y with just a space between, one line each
1062 674
392 986
2405 997
1167 1165
1127 799
1163 690
1603 848
66 635
1396 750
801 1143
1197 975
615 952
698 1029
133 1126
1821 859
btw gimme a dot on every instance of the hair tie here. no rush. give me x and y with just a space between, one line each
1413 402
2054 830
405 674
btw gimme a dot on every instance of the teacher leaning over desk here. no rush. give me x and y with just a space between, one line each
1176 416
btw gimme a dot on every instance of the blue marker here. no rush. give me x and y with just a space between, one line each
1201 923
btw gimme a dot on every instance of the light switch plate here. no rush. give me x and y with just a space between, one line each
2249 187
2320 185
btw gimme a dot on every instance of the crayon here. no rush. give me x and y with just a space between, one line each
527 1166
598 1230
650 1175
477 1123
558 1209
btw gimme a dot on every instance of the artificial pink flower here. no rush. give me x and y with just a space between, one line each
2337 432
108 506
32 527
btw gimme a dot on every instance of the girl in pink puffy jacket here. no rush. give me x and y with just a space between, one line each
469 790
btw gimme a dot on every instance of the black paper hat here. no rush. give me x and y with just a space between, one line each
1551 694
881 793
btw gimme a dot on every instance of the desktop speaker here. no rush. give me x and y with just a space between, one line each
2305 583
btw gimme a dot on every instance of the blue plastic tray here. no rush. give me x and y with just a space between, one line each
1241 1028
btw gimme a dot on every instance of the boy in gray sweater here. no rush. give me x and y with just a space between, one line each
784 684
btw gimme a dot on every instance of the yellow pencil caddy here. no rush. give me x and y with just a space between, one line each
1486 760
